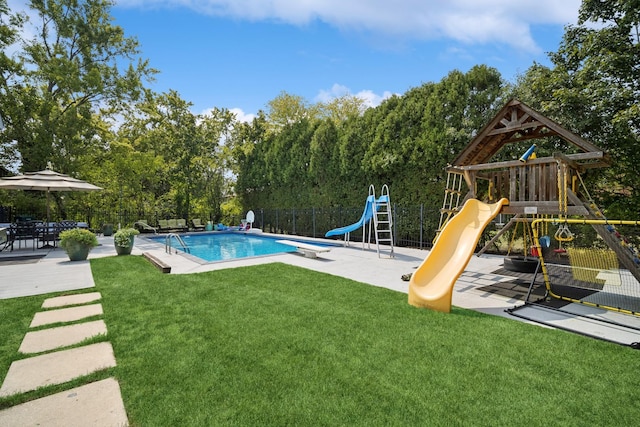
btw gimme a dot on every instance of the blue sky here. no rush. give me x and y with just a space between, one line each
240 54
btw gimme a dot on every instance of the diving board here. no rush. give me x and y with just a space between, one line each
309 250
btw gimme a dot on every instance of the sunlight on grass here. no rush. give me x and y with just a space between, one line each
278 345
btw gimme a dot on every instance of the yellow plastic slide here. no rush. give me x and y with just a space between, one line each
431 285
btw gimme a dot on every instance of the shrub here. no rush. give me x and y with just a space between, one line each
77 236
122 238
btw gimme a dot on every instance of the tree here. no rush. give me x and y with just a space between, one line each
405 142
324 163
71 81
343 108
10 69
594 89
174 155
287 109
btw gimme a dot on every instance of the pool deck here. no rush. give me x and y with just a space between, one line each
53 272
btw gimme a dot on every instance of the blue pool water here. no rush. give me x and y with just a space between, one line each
227 246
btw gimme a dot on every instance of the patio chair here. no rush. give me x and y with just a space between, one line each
197 224
143 227
172 224
6 238
47 233
66 225
23 232
163 225
181 224
247 223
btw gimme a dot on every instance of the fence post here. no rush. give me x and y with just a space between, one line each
421 222
293 213
313 220
277 223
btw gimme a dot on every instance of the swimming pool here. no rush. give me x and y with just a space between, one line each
219 246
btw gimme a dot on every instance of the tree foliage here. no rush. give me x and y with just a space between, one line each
166 159
10 68
71 80
593 88
405 142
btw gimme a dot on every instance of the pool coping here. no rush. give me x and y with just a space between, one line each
157 245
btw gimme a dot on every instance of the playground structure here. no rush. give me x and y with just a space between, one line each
542 192
376 213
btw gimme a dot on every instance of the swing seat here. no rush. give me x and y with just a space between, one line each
545 242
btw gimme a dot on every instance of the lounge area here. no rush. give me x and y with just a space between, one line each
143 227
197 224
178 225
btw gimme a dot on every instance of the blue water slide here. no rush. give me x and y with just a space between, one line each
367 214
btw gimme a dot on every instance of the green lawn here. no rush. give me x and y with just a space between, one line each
280 345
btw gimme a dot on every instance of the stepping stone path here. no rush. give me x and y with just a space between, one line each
98 403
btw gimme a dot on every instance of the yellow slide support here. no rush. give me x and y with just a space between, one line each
431 285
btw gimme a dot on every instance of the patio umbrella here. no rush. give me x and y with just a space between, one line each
46 180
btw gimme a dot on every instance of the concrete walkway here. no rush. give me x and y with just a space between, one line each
51 272
100 403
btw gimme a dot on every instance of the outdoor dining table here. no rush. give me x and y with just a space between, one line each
47 234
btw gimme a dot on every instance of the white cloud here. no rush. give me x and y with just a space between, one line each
370 98
336 91
241 116
468 21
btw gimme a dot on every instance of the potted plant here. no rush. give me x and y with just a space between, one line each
77 243
123 240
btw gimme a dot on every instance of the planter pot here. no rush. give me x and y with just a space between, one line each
78 252
125 250
107 229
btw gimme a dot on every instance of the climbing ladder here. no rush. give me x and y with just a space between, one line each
452 193
383 220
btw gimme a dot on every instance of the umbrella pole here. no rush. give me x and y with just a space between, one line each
48 234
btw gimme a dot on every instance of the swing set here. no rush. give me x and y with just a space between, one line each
601 271
586 270
546 194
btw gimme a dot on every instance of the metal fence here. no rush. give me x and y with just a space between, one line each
413 226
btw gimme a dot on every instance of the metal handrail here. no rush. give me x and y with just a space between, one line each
167 243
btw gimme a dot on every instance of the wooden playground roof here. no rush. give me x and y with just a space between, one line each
517 122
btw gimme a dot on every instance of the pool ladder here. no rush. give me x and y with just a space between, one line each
167 243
